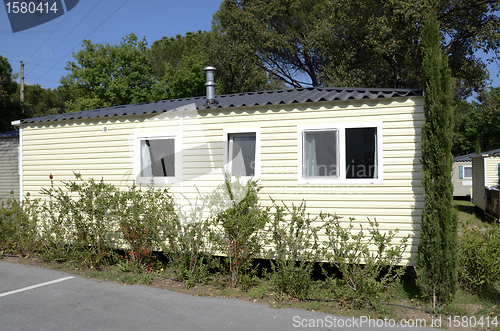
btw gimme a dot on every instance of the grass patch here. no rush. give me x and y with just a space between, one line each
469 215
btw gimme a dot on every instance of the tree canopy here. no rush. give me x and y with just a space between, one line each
39 101
107 75
9 109
179 63
477 124
272 44
375 43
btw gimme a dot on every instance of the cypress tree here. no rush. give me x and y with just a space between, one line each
438 247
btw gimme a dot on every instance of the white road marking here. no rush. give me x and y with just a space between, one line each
35 286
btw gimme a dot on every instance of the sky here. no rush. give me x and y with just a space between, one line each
45 49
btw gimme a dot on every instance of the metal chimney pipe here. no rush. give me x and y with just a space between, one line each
210 85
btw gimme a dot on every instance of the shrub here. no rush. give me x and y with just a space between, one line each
479 258
18 227
239 222
294 241
77 223
437 253
365 275
187 245
142 216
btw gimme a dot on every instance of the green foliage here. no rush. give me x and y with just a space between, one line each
168 53
43 102
18 227
187 79
468 127
77 223
187 247
142 216
477 124
479 258
356 42
239 222
365 275
278 36
178 64
86 220
107 75
489 108
295 250
376 44
83 221
437 254
10 110
234 53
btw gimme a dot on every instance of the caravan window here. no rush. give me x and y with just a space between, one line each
158 159
340 153
242 152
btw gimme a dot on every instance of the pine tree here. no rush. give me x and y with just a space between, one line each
438 247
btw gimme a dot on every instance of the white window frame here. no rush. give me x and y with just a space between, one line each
341 153
138 137
463 169
227 162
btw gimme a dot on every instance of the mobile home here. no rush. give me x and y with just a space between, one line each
462 176
9 173
486 179
351 151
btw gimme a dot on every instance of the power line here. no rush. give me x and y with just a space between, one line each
45 80
106 19
48 37
69 32
34 64
41 65
86 35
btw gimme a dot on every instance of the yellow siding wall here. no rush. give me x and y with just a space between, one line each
492 170
397 202
9 174
479 182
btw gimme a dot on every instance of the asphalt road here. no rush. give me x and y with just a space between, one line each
33 298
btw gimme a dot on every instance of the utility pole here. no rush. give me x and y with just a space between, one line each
22 82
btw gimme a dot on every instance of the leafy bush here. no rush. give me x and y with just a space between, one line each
77 223
83 223
187 245
18 227
142 216
294 251
365 275
479 258
239 224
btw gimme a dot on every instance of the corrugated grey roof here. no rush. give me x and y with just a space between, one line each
249 99
464 158
495 152
9 134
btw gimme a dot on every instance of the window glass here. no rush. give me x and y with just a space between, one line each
467 172
242 154
361 152
320 153
158 157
